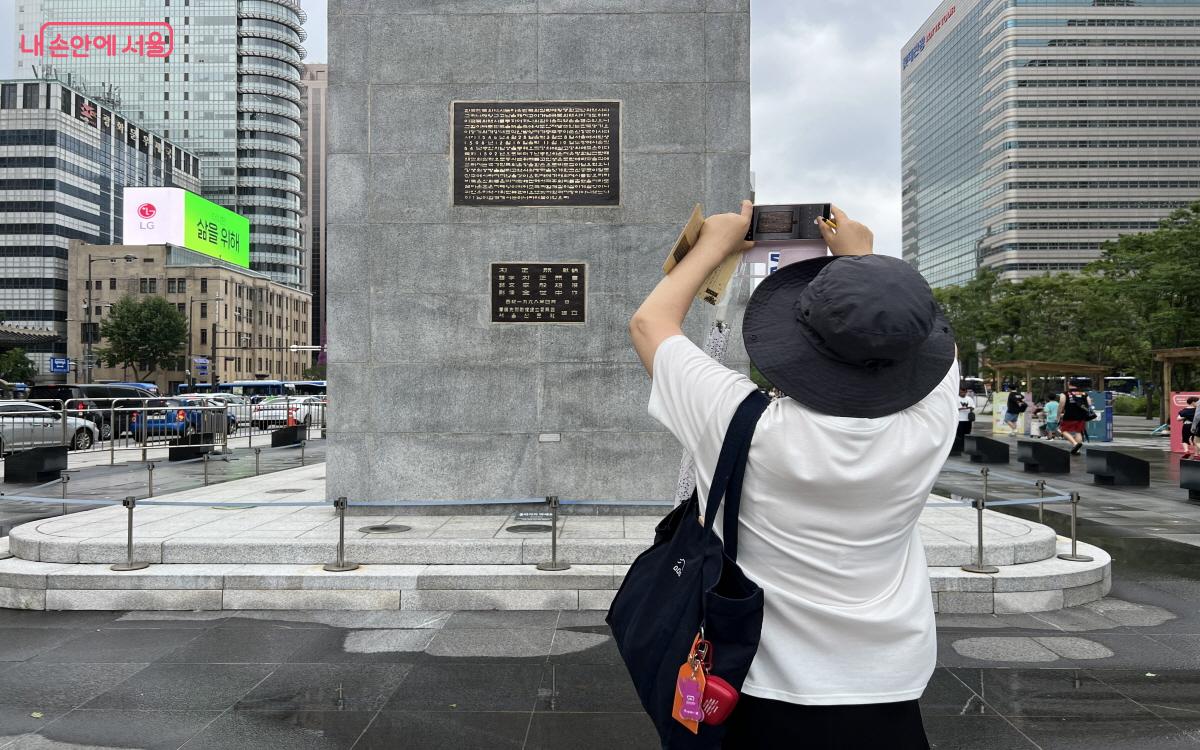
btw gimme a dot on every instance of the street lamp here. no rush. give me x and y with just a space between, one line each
192 301
111 259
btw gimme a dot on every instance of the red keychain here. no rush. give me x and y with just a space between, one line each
720 697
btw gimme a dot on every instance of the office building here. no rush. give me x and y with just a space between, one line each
220 77
314 138
1035 130
239 320
64 160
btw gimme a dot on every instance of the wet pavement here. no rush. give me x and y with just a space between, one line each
1120 673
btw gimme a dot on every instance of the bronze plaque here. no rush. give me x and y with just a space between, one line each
537 153
526 292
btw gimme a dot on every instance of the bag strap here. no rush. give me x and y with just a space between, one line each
731 469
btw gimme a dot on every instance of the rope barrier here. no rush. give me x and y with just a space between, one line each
60 501
443 503
243 504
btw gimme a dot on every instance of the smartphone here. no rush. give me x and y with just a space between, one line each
787 223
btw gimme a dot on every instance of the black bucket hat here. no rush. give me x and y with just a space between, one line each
851 336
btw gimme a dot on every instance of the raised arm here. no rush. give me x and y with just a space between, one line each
661 315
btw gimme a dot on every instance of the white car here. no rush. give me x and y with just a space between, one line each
238 406
27 425
305 410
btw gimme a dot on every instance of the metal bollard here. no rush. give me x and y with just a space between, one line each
149 479
1041 487
302 444
979 503
205 469
340 565
1075 556
553 564
65 478
129 564
257 455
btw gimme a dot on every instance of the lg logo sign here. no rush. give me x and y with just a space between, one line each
146 211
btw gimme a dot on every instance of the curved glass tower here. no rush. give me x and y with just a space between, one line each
229 91
268 133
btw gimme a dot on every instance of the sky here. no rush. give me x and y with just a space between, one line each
825 100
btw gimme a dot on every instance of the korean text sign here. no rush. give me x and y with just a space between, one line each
164 215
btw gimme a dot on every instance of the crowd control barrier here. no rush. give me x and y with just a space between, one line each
982 501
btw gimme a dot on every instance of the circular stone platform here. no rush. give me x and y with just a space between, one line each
265 557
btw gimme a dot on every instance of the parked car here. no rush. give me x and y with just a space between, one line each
94 402
214 403
239 406
304 410
169 418
28 425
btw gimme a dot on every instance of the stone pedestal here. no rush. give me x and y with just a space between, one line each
432 399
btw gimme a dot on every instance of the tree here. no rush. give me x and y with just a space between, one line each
15 367
315 372
142 335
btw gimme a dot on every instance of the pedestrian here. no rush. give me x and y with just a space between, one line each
1187 416
839 472
966 417
1015 408
1076 409
1039 420
1051 411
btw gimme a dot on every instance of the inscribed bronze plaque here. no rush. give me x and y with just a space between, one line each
527 292
537 153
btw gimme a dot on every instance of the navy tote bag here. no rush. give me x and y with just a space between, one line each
689 580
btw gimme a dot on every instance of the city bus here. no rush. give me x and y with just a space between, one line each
1123 385
255 390
306 387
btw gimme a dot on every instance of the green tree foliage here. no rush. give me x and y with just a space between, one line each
143 335
314 372
1143 294
15 367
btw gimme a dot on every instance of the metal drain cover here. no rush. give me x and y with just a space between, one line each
385 528
530 528
284 491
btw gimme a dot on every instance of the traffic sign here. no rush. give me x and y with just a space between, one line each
60 364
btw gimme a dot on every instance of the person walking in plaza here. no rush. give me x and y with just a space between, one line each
1187 416
1015 408
1051 411
966 417
1076 409
839 471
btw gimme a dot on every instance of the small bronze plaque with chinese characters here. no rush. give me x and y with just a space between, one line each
526 292
558 153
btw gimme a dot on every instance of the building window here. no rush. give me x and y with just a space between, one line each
181 307
144 286
182 286
204 286
112 283
170 286
203 309
203 336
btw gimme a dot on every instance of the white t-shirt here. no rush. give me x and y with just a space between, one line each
965 405
828 529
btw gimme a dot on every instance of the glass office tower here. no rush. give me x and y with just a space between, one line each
1035 130
229 90
65 159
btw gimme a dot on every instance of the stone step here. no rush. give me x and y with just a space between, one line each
265 535
24 584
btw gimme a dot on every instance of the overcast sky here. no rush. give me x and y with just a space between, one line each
826 100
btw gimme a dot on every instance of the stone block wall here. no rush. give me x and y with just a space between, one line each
430 399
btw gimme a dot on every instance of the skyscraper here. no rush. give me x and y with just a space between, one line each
314 138
220 77
1034 130
64 160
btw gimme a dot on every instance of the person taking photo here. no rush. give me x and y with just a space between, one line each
838 473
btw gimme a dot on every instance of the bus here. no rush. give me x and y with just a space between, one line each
306 387
255 390
1123 385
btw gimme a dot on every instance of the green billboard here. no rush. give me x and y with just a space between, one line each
215 230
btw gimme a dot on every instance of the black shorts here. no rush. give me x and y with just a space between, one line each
762 724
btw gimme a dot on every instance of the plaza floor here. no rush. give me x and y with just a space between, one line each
1120 673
